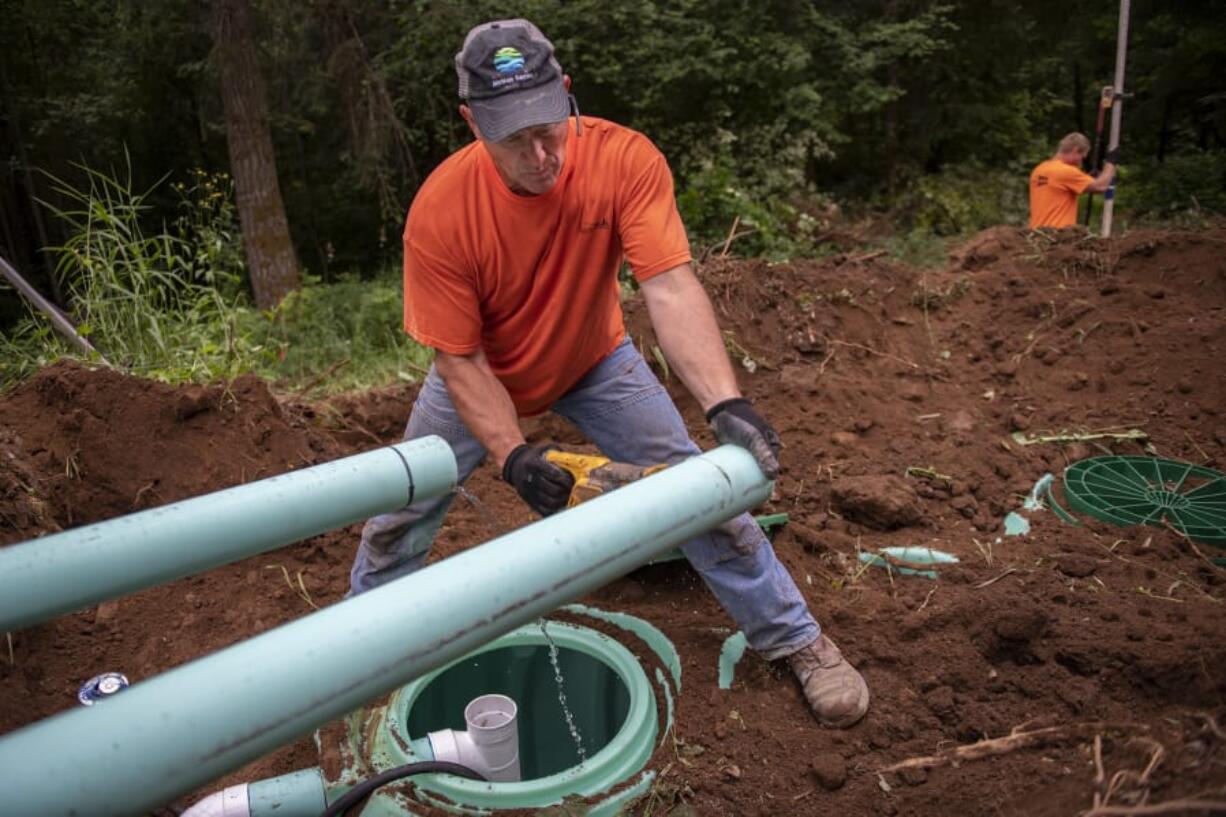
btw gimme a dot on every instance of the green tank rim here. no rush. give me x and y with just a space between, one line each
617 771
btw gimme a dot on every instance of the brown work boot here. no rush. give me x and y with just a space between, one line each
836 693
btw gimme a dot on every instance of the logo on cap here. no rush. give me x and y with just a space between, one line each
508 60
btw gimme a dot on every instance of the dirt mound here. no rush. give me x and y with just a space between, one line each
80 445
917 408
102 444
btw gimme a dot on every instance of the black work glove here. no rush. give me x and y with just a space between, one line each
543 485
735 421
1113 156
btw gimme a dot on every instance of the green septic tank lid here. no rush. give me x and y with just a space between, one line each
1132 490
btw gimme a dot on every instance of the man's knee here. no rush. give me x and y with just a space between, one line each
737 539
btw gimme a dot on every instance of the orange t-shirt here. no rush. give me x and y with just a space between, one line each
532 280
1054 188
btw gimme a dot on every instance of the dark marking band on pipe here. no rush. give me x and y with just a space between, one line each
409 471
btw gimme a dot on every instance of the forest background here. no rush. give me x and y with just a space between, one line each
793 127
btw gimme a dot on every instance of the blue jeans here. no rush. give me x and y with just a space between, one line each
623 409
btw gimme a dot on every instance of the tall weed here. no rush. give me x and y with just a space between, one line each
172 304
142 298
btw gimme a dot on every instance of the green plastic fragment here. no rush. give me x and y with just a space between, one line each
769 522
669 706
913 555
729 656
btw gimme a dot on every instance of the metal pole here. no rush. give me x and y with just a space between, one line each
1117 112
174 732
57 318
56 574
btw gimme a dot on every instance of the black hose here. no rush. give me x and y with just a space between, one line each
364 789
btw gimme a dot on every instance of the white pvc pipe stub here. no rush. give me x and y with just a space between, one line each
229 802
491 744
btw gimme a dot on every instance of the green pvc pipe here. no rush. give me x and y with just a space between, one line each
68 571
177 731
297 794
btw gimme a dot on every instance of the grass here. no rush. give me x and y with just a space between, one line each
935 298
300 588
323 339
349 331
139 295
921 248
171 304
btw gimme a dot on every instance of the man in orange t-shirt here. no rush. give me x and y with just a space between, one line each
1056 183
511 253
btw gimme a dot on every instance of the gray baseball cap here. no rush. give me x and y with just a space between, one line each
510 78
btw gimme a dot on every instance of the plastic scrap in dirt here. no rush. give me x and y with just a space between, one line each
1034 502
769 523
1016 524
904 560
729 656
1079 437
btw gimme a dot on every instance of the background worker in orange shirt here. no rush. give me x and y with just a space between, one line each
511 254
1056 183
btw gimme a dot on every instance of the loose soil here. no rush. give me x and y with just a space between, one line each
867 368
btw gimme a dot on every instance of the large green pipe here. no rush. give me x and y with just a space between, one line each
179 730
43 578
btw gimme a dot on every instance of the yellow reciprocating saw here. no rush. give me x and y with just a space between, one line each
597 475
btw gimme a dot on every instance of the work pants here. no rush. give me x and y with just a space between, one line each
621 407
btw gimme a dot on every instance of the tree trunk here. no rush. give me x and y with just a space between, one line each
891 134
344 65
378 140
1078 98
891 114
1164 133
28 254
271 261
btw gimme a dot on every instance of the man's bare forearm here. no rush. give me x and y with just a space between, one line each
482 401
689 335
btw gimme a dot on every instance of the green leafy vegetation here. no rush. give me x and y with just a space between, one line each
153 303
788 126
1185 187
170 305
350 329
